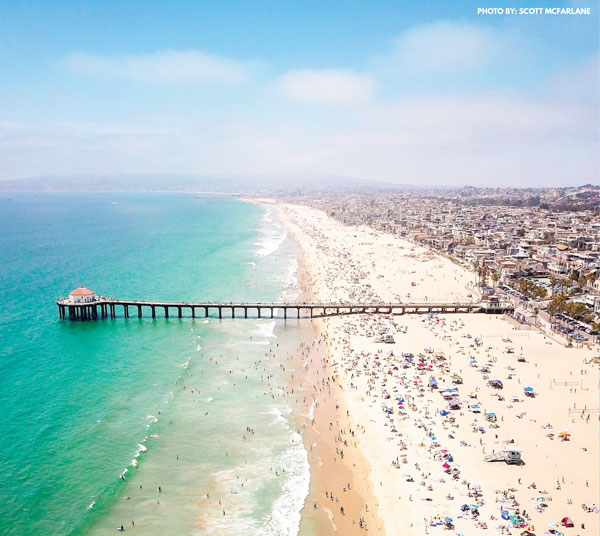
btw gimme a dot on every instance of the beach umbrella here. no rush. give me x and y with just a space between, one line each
505 515
448 519
552 526
446 466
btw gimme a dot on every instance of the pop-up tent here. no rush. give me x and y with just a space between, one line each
567 522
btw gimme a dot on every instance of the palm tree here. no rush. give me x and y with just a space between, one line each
591 277
495 277
477 269
553 282
573 278
596 328
485 272
557 305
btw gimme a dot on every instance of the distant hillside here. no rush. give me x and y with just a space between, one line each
190 183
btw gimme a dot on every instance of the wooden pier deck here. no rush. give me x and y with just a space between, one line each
108 307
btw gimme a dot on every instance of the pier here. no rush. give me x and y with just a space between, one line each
101 307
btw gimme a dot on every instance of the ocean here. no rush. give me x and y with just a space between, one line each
168 426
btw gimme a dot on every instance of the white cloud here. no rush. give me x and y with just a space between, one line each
446 47
168 67
337 87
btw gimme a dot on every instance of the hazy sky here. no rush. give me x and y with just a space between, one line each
411 92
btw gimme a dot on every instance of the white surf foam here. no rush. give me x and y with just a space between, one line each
291 274
154 419
284 517
269 242
279 418
141 448
186 364
265 329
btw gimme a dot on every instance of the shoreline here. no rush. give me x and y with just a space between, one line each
361 262
343 474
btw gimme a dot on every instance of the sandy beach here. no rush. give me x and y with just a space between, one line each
383 419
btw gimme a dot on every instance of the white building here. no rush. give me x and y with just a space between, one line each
82 295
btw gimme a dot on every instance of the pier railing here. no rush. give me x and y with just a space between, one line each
108 307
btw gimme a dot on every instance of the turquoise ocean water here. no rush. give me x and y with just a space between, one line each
169 403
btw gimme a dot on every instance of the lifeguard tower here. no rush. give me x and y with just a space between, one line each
511 455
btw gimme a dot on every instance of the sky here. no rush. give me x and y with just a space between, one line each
425 93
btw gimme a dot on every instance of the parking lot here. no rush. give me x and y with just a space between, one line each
569 327
573 328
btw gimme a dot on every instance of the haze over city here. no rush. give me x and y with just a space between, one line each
395 92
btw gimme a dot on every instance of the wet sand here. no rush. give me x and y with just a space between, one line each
338 468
